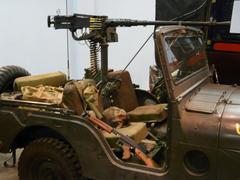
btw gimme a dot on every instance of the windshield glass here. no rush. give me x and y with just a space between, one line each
186 55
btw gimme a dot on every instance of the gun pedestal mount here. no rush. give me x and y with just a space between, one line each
104 61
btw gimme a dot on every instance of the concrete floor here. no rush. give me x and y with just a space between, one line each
7 173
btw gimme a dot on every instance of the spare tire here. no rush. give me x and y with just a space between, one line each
7 76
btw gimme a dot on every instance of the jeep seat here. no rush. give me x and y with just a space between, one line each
136 131
148 113
125 98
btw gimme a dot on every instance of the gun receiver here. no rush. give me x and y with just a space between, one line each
96 25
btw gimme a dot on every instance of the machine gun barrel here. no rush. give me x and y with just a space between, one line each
130 22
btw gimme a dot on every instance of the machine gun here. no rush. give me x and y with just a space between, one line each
101 30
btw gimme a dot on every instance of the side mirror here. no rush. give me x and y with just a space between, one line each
235 23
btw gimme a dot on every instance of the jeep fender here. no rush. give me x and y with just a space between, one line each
95 155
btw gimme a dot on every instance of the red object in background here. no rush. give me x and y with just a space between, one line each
196 58
227 65
230 47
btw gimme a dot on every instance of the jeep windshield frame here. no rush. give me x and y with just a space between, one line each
182 58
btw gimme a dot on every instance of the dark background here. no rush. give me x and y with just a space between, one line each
227 63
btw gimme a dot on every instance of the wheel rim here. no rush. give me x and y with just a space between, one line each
46 169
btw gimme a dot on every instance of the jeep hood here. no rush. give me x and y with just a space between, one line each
223 103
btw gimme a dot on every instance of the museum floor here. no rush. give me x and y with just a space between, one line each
7 173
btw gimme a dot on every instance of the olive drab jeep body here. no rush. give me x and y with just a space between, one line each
195 134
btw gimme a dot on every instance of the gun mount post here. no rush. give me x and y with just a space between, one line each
104 61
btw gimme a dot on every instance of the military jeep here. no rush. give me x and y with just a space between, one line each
192 135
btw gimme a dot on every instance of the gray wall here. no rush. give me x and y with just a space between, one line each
235 25
25 39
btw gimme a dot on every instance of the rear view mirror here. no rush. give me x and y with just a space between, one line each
235 22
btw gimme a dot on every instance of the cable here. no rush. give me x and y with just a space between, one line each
191 12
68 54
182 16
137 52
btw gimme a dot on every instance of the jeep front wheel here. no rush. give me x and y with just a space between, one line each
48 158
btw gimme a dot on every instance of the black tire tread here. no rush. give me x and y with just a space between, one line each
8 74
65 150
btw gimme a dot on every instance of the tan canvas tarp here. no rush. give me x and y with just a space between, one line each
42 93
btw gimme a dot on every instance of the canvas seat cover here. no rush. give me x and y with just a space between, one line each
148 113
137 131
125 98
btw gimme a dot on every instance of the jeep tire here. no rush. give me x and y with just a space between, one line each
48 158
